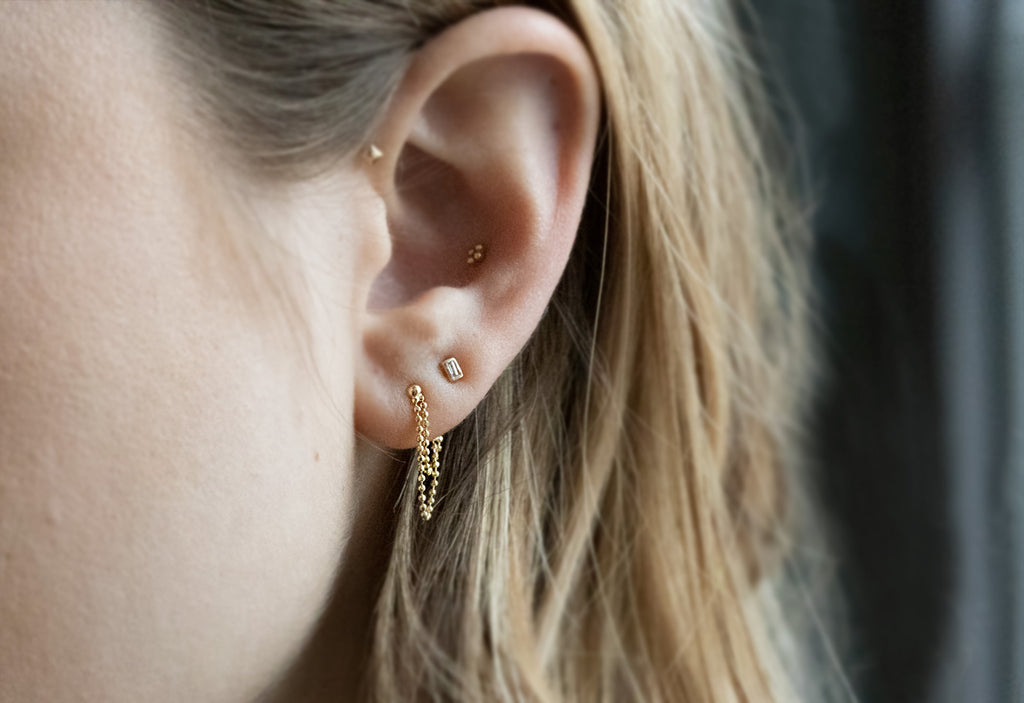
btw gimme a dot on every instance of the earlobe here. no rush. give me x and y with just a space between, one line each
485 154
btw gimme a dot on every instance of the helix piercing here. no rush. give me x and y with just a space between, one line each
372 154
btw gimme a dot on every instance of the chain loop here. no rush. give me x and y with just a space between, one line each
428 453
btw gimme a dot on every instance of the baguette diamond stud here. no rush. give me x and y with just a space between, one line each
451 369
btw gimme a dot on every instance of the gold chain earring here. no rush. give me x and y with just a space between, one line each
428 453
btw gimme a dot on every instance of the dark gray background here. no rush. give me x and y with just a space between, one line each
911 118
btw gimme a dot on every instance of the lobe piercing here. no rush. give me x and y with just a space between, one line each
428 452
451 369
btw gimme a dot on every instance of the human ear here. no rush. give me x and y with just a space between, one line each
488 141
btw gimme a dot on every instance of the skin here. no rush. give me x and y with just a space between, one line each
186 512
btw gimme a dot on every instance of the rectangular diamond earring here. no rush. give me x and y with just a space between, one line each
451 369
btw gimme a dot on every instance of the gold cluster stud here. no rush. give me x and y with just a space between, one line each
475 254
428 453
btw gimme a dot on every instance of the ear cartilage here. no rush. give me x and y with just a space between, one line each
451 369
373 154
475 254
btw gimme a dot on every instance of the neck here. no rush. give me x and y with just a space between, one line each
334 662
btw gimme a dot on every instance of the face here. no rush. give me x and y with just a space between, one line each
175 483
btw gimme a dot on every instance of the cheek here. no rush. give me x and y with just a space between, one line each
170 502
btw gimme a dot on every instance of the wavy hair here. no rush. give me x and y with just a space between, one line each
618 507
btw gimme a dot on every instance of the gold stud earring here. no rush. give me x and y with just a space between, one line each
373 154
475 254
428 453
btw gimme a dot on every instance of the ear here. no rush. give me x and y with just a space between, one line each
487 147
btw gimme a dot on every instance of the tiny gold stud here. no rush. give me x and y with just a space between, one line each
373 153
475 254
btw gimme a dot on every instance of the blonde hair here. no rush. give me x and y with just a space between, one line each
617 505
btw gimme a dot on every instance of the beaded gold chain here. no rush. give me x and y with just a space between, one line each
428 453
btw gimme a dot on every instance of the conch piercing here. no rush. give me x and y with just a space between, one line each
372 154
428 453
475 254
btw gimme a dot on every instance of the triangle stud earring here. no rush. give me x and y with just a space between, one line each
373 154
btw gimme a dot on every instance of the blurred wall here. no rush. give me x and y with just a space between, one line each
910 117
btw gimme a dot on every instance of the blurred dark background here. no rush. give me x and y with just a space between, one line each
911 119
